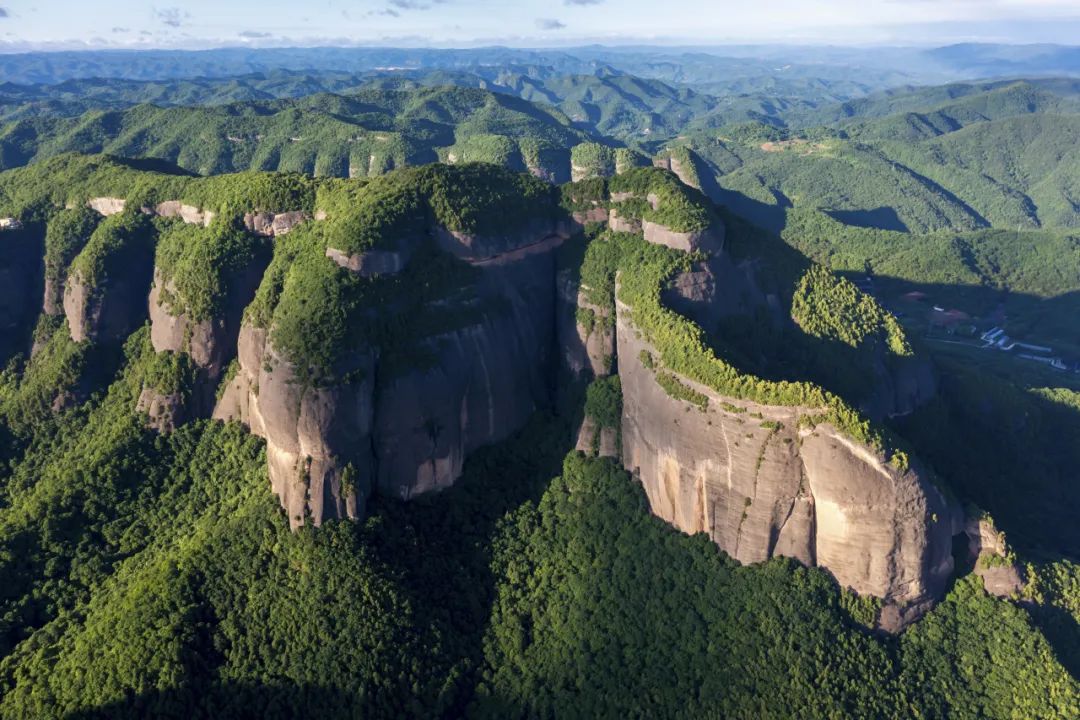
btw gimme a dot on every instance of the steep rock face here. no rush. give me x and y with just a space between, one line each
746 475
272 224
488 379
318 439
20 277
597 441
187 213
210 343
710 239
683 169
164 412
901 386
585 332
376 262
618 223
406 428
717 288
107 205
112 310
989 552
52 303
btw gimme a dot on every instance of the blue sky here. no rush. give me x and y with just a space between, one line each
213 23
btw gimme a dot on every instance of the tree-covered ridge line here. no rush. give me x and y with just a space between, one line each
643 270
956 157
362 134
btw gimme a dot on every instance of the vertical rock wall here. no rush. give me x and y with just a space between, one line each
761 486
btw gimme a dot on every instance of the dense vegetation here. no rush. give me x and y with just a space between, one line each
150 574
194 598
363 134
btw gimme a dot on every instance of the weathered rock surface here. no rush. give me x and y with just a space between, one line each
710 239
407 429
718 288
901 385
164 411
107 205
53 301
989 552
746 475
21 270
618 223
597 441
587 352
187 213
374 262
592 215
317 439
687 175
273 224
211 343
269 224
112 311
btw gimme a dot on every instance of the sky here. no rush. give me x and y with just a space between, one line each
48 24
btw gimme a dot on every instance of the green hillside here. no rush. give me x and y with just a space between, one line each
363 134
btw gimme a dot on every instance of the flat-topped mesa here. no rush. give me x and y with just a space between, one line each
467 361
766 480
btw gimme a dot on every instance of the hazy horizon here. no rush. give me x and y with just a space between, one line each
199 24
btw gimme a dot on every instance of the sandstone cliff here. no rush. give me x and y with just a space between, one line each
761 484
406 428
20 280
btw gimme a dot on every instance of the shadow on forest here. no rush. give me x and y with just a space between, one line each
442 541
882 218
240 701
1011 452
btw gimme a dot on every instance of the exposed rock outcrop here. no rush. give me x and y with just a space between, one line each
266 223
993 562
107 205
586 332
597 441
760 485
164 411
406 429
187 213
272 224
114 307
375 262
711 239
21 271
717 288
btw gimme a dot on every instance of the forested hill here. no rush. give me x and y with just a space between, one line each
606 101
365 133
1000 155
149 568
